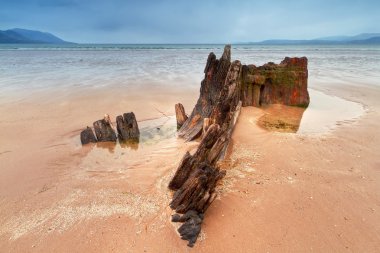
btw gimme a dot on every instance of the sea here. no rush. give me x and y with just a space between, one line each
37 66
31 69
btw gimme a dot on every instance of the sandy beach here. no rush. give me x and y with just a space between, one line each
297 180
189 126
283 192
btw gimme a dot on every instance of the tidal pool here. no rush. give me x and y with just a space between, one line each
324 113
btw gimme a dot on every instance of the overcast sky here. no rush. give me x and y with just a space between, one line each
192 21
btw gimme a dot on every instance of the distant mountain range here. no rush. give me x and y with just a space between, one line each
364 38
24 36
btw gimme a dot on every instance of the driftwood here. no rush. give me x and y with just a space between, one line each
206 125
215 114
223 114
87 136
211 86
107 119
180 115
189 162
195 182
191 226
284 83
198 191
127 127
226 87
104 131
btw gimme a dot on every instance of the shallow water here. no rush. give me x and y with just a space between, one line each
157 152
29 69
153 133
324 114
159 145
58 73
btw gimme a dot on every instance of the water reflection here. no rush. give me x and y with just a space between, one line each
131 144
106 145
281 118
324 114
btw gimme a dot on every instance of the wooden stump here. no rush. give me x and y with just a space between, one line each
127 127
104 131
87 136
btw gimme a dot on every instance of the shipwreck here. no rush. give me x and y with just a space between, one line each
226 87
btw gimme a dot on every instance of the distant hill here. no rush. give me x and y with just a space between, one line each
364 38
18 35
374 40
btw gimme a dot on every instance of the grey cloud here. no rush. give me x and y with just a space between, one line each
180 21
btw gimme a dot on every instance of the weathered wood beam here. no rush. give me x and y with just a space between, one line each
226 87
180 115
104 131
215 115
127 127
87 136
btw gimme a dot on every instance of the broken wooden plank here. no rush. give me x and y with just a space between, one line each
190 162
211 86
180 115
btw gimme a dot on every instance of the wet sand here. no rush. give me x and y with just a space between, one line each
283 192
